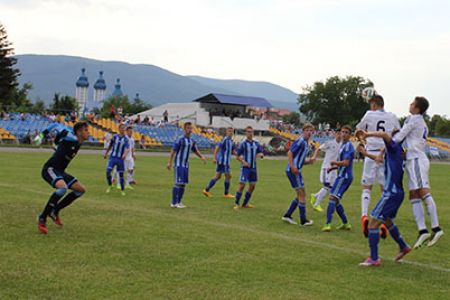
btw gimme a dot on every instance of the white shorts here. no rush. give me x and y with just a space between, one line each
327 179
418 169
129 164
372 172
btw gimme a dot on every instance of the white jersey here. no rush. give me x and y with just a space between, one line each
130 153
378 120
414 136
331 149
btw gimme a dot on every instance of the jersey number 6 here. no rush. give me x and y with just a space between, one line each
380 126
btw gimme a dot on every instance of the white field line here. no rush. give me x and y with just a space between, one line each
274 235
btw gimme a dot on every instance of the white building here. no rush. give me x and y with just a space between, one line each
81 91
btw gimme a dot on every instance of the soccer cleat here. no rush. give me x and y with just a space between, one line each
174 205
181 205
435 237
123 193
365 225
346 226
129 187
402 253
313 200
206 193
384 232
307 223
248 206
326 228
42 227
421 240
108 190
289 220
229 196
370 263
236 207
318 208
118 187
56 219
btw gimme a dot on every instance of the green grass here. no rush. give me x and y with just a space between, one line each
138 247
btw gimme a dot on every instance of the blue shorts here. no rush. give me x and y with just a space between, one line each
248 175
388 206
295 180
52 175
223 169
181 175
116 162
340 186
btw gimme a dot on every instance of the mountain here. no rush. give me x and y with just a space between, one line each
51 74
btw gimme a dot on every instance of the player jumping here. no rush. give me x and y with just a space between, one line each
391 199
248 152
414 137
331 149
68 143
296 159
376 119
343 181
180 151
222 159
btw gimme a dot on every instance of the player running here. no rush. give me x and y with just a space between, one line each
414 136
222 159
391 199
343 181
376 119
68 143
180 151
296 159
120 147
248 152
331 149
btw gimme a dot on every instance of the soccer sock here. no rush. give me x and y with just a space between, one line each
330 210
52 202
67 200
302 208
175 195
227 186
365 201
122 181
291 208
374 239
180 193
432 210
130 176
211 184
321 194
341 212
395 233
108 177
247 198
418 214
238 197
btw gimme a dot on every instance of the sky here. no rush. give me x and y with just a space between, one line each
403 46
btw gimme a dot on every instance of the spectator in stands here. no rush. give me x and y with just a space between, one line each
66 117
138 119
166 116
112 111
73 116
142 142
120 110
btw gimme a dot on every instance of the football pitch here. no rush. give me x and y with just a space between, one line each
114 247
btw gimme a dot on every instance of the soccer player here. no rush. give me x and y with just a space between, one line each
248 152
376 119
343 181
180 151
68 143
129 161
120 147
222 158
414 136
391 199
296 159
331 149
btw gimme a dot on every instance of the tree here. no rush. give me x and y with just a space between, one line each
137 106
442 127
292 118
335 101
8 74
64 104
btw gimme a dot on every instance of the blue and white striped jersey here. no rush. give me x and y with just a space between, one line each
249 149
225 151
300 149
119 145
347 152
393 168
183 147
